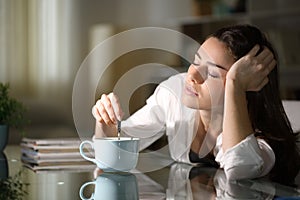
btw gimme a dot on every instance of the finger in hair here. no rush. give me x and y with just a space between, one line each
254 50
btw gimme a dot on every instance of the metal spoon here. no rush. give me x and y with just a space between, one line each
119 128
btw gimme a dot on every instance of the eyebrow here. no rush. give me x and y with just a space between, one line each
211 63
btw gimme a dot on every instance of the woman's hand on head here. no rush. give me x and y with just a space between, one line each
250 72
107 109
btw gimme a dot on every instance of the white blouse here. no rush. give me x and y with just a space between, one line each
164 113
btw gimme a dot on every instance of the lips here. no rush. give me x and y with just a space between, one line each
190 91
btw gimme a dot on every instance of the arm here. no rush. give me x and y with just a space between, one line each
147 123
247 74
236 124
243 157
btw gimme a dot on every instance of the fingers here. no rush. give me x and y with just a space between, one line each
264 54
265 57
110 113
254 51
116 106
264 61
107 109
252 70
100 112
267 60
96 114
269 67
260 85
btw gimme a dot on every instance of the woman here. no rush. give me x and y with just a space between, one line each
227 105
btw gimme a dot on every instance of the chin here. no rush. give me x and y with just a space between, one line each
193 103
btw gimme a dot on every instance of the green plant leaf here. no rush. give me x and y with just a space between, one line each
11 111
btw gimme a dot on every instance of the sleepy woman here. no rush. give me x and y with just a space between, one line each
225 110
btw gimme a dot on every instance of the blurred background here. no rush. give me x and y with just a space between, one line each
44 42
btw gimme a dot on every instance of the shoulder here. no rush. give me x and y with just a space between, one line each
174 83
176 78
169 90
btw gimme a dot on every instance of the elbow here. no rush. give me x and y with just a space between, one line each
240 172
249 159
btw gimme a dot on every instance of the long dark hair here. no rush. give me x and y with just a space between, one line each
265 108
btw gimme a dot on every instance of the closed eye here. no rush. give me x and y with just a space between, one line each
212 75
215 72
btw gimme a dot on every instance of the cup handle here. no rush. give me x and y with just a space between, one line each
82 152
82 189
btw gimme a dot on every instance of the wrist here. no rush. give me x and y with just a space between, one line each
234 86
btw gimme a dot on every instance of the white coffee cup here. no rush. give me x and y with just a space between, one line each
112 186
113 153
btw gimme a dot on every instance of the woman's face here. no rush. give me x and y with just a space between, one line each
205 80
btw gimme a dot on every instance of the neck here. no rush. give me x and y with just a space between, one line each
212 119
205 117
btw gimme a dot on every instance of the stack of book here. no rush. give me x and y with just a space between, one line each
54 154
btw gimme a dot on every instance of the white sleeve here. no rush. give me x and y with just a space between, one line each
251 158
148 123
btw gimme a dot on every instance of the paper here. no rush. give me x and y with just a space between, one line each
53 154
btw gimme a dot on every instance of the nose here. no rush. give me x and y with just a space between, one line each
196 75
